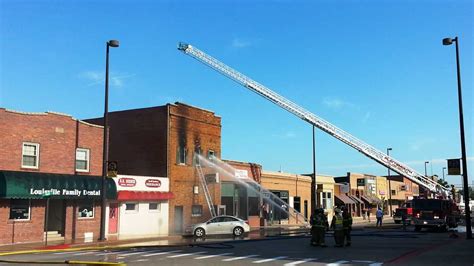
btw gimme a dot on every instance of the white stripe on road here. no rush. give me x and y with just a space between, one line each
161 253
142 260
337 263
363 261
186 254
133 253
111 252
212 256
299 262
240 258
271 259
376 264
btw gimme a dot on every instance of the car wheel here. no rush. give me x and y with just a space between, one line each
199 232
238 231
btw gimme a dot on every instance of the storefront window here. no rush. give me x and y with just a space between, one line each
154 206
20 210
85 210
196 210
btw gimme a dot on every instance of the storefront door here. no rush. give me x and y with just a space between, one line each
113 218
178 219
56 216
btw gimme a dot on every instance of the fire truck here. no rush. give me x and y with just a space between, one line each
407 210
438 214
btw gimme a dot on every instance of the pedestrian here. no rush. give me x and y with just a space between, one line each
379 216
364 211
337 226
404 220
319 223
368 213
347 225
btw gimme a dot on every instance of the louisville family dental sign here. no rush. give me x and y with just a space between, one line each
64 192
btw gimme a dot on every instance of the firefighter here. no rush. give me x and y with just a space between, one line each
347 224
319 223
337 225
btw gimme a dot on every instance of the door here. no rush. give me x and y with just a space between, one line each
214 226
113 218
227 225
56 216
178 219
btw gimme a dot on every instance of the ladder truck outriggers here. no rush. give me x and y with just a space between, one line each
318 122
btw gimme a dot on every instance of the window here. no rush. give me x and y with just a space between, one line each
82 160
131 207
326 200
19 210
297 203
197 154
210 154
394 192
229 219
154 206
30 156
181 155
196 210
85 210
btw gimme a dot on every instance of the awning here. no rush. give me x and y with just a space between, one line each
144 195
366 199
345 199
31 185
356 199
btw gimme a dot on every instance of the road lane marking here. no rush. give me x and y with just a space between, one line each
299 261
363 261
337 263
271 259
212 256
376 264
143 260
186 254
133 253
240 258
161 253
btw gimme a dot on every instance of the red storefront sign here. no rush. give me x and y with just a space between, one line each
148 195
153 183
127 182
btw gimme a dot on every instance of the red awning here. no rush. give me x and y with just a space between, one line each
144 195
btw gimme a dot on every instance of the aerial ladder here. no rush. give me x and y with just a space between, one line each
318 122
205 189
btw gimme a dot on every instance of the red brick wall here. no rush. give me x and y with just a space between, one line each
138 140
22 231
58 139
75 227
191 126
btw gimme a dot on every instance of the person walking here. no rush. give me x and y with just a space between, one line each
347 225
319 223
404 220
364 212
368 213
379 216
337 226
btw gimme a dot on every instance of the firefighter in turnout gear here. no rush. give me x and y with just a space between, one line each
337 225
319 223
347 224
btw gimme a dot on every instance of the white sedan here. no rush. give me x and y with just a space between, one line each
221 225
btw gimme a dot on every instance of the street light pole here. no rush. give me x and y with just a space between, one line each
449 41
389 185
444 168
426 174
105 149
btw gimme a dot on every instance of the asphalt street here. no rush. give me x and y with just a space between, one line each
370 247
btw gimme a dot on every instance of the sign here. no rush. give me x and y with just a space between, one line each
242 174
454 166
360 182
344 188
153 183
127 182
212 178
112 169
381 192
64 192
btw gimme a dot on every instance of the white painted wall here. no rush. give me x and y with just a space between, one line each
143 222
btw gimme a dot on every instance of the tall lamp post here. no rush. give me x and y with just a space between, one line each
105 150
389 185
449 41
444 168
426 173
314 198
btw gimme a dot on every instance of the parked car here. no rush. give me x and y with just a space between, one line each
220 225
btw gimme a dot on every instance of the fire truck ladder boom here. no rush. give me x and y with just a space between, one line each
205 189
311 118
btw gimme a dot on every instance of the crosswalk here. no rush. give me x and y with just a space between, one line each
137 256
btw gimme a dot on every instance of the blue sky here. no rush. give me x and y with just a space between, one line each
376 69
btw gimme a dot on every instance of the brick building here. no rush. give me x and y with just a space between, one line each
162 141
49 159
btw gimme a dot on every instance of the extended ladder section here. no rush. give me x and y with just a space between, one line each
210 204
311 118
